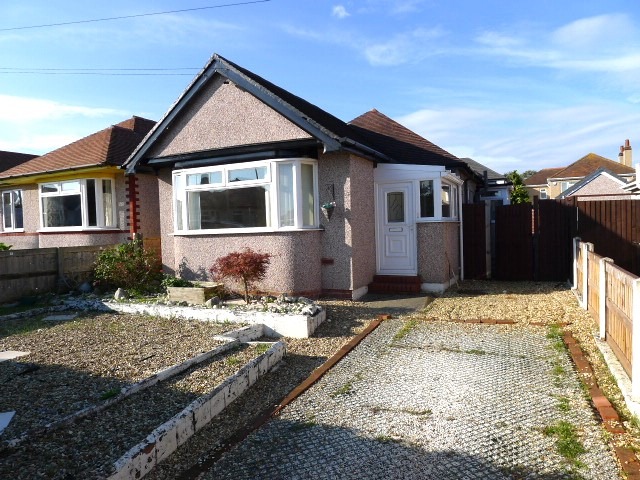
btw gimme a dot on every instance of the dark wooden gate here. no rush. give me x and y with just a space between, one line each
474 241
514 242
553 226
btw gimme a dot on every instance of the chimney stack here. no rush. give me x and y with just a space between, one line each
626 154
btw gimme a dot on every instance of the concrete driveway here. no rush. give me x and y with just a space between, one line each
438 400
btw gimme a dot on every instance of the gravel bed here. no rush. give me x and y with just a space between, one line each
521 302
79 363
87 449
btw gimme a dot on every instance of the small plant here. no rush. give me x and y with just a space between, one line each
129 266
4 246
247 267
232 361
567 442
406 328
110 394
171 281
262 348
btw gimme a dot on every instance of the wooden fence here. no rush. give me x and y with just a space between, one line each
612 296
41 270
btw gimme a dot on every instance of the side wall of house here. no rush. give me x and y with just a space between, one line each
30 219
438 252
148 205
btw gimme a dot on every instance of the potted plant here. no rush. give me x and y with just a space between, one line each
328 208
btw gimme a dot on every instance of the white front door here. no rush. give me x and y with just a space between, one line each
395 229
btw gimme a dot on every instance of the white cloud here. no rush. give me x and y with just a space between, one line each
403 48
538 137
340 12
25 109
35 125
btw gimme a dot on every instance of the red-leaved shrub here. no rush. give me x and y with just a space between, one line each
246 266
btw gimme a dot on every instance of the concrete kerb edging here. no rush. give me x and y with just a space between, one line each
610 418
232 338
166 438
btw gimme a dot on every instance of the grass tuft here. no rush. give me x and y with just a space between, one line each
567 442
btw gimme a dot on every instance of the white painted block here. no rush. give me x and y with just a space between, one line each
166 443
11 355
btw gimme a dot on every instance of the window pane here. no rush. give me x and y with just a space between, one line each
395 207
107 203
204 178
17 208
247 174
62 211
178 188
91 203
50 188
308 196
426 198
6 210
286 197
446 201
233 208
71 186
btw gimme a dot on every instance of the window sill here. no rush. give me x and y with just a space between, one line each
242 231
79 230
437 220
17 230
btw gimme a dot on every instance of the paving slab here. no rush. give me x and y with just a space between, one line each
61 318
445 401
11 355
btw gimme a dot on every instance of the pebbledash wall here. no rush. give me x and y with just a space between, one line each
438 254
338 259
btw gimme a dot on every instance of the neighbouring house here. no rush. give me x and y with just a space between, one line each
600 185
496 187
552 182
78 195
11 159
242 163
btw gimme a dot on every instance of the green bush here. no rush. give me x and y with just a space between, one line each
171 281
129 266
4 246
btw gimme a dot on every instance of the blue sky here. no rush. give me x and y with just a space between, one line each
514 85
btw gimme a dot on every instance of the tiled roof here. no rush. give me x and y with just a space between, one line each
372 134
398 142
110 146
480 169
11 159
541 177
589 164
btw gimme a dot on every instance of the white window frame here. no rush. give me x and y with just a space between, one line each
82 191
438 183
543 194
12 228
180 190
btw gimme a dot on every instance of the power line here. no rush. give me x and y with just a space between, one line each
28 72
133 16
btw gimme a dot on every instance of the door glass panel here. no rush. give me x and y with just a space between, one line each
395 207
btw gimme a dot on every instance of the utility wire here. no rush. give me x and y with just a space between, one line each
100 71
133 16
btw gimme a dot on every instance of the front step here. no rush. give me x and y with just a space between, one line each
396 284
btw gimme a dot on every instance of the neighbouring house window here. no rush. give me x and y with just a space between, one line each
12 216
543 194
84 203
267 194
427 201
565 185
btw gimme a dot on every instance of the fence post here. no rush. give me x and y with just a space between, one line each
602 297
586 247
635 342
576 246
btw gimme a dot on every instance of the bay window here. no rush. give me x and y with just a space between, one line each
275 194
12 216
78 204
438 199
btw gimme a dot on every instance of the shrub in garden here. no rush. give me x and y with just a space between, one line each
4 246
247 267
129 266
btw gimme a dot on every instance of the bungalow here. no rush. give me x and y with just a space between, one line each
242 162
78 195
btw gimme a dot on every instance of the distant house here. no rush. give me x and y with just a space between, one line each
495 186
78 194
11 159
600 185
342 207
552 182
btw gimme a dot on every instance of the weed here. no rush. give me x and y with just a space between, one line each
567 442
558 370
110 394
555 334
387 439
262 348
563 404
406 328
347 388
475 351
232 361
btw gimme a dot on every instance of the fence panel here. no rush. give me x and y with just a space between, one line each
619 307
579 268
593 285
474 241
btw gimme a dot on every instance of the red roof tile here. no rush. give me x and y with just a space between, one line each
589 164
110 146
541 177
